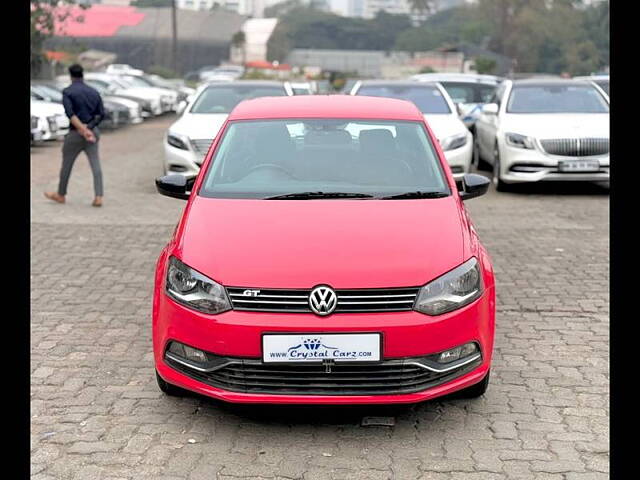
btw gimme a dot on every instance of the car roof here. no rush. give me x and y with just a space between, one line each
400 83
458 78
550 82
326 106
252 83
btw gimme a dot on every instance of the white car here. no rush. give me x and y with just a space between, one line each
601 80
120 68
188 139
168 96
439 111
301 88
545 130
467 90
153 104
52 121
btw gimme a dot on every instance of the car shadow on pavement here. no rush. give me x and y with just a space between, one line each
560 188
329 414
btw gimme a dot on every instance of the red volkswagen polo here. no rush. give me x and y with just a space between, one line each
324 256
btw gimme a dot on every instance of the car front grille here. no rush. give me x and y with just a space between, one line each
53 123
576 147
349 301
349 378
201 147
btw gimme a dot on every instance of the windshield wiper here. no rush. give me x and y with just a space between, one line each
312 195
417 194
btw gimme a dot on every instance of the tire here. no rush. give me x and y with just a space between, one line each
477 390
499 184
476 161
169 389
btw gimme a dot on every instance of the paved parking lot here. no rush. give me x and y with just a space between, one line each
97 413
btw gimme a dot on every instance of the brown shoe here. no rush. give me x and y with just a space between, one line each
56 197
97 202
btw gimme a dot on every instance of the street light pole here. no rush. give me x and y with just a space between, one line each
174 31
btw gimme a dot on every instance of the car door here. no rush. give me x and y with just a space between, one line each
487 126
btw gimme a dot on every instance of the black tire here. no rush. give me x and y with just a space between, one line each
169 389
476 160
499 184
477 390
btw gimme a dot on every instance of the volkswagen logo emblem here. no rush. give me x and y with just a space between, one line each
323 300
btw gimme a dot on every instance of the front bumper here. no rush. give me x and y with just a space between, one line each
180 162
405 335
459 159
520 165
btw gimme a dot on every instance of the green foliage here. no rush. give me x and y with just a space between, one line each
427 70
484 65
451 26
306 27
45 14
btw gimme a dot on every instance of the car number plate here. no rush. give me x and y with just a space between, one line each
579 166
350 347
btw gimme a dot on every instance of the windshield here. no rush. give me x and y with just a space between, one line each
427 99
556 99
259 159
461 92
223 99
603 84
137 81
47 91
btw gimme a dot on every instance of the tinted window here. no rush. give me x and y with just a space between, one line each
556 99
223 99
604 85
257 159
427 99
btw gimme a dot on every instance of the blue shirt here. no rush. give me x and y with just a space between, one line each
84 102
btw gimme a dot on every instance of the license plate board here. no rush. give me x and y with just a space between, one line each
579 166
348 347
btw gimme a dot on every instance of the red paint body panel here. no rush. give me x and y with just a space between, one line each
343 243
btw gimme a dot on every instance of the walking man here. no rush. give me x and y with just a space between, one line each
83 105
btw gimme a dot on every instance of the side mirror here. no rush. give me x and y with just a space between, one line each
181 106
490 109
473 185
175 186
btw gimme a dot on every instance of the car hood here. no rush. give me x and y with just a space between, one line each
444 126
199 125
557 125
140 92
303 243
46 108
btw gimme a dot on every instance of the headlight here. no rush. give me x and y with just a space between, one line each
453 290
454 141
178 141
194 290
519 141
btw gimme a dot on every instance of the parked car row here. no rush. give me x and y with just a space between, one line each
129 95
525 130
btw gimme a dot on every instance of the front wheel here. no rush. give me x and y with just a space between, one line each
497 181
477 390
169 389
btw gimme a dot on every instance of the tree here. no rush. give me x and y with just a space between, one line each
45 16
422 7
484 65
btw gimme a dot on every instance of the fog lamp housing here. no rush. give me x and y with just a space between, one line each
458 352
188 353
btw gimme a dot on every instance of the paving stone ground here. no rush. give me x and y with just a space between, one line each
96 412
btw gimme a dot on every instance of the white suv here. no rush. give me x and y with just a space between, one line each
544 130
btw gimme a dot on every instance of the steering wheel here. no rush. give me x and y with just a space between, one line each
271 166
